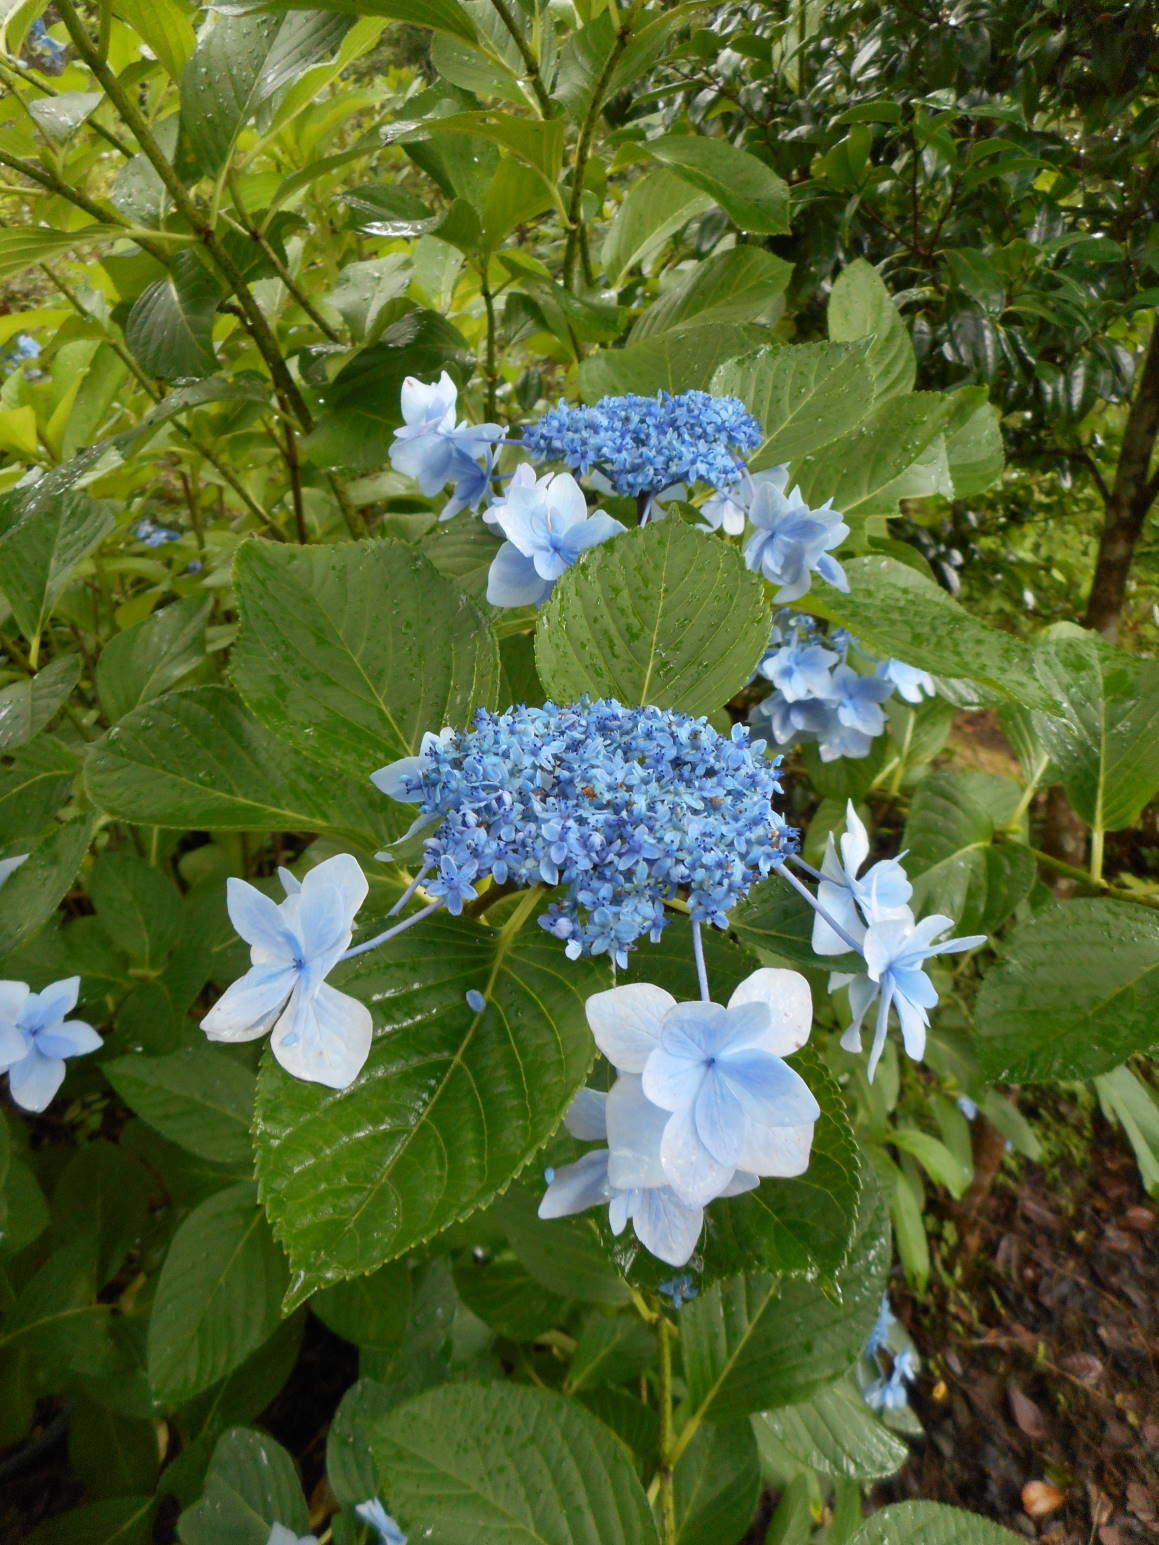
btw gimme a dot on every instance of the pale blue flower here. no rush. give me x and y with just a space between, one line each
889 1394
792 541
881 1327
895 951
909 682
728 1105
372 1512
679 1291
967 1106
857 700
853 902
435 451
547 526
319 1033
35 1039
153 535
800 671
728 508
280 1535
9 866
402 780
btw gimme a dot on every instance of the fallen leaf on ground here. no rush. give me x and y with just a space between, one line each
1040 1498
1028 1416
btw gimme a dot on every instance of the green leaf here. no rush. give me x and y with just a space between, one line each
739 285
200 1098
451 1104
942 1166
57 1317
60 116
477 1463
717 1482
654 209
774 918
564 1254
887 458
104 1195
217 1296
112 1521
31 893
349 1466
664 614
676 361
362 402
611 1349
364 290
861 306
750 193
197 759
251 1484
505 1296
804 395
1104 738
138 907
974 450
379 646
439 15
953 861
147 659
170 328
27 706
371 1312
897 612
1076 993
758 1342
165 26
929 1523
836 1433
22 246
1129 1101
41 543
238 64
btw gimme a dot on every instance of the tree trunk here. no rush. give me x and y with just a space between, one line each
1132 495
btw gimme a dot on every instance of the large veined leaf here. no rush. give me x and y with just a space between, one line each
738 285
251 1485
218 1295
1076 993
750 193
439 15
861 306
170 328
197 759
757 1342
1104 737
147 659
451 1104
897 612
493 1464
41 543
836 1433
31 893
803 395
663 614
654 208
896 452
26 706
22 246
200 1098
33 786
929 1523
952 858
717 1482
676 361
353 650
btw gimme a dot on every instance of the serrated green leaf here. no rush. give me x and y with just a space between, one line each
218 1295
251 1485
451 1104
483 1464
199 1098
147 659
952 858
41 543
654 209
27 706
741 284
804 395
1076 993
836 1433
662 615
869 469
374 645
929 1523
861 306
676 361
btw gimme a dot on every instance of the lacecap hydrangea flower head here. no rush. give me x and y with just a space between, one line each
620 808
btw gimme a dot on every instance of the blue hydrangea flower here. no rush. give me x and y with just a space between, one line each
679 1291
896 950
433 449
792 542
281 1535
547 526
889 1394
857 700
643 445
35 1039
319 1033
800 671
881 1327
967 1106
621 808
153 535
728 508
908 681
9 866
882 892
725 1101
372 1512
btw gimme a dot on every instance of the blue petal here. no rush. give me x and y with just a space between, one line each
512 580
34 1080
576 1187
258 920
666 1228
720 1122
324 1037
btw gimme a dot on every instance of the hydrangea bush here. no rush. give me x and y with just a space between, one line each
476 881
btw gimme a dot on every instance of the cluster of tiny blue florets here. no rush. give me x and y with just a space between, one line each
643 445
622 808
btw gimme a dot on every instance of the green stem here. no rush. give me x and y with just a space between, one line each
491 358
256 234
530 62
583 151
1097 839
668 1529
81 200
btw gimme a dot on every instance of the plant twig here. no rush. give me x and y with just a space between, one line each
530 62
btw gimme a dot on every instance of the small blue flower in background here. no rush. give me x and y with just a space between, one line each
792 541
889 1393
373 1513
280 1535
853 902
152 535
896 949
644 445
22 347
727 509
435 451
9 866
908 681
679 1291
622 808
39 41
857 701
966 1105
709 1082
475 1000
547 526
35 1039
319 1033
881 1327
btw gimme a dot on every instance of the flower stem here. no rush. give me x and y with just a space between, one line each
391 933
668 1529
821 911
698 956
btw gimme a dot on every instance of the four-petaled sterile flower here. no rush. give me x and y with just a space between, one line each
435 451
35 1039
792 541
852 902
731 1102
372 1512
907 680
9 866
547 526
727 510
800 671
319 1033
896 950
